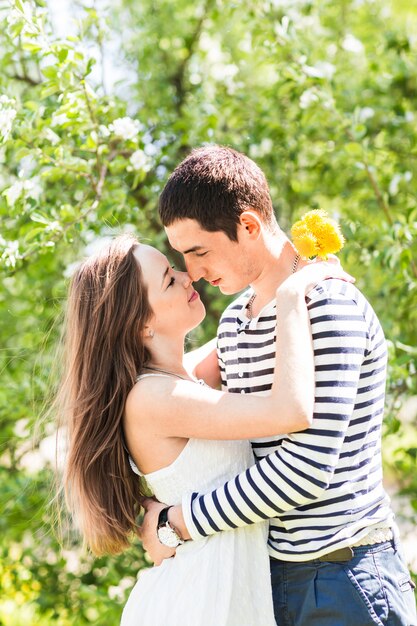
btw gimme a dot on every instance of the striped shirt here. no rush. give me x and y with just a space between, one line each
321 488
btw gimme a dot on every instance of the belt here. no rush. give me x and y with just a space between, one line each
342 555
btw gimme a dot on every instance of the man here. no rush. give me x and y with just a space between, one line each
334 550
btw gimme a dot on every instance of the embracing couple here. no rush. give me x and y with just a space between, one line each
305 535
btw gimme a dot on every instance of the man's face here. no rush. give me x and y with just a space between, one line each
212 255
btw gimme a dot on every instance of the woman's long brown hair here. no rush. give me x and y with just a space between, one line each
104 352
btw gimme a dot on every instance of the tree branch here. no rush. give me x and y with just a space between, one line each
25 79
384 206
178 79
380 198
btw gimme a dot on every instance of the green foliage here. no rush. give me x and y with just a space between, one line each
321 94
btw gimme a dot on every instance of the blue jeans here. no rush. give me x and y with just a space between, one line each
373 588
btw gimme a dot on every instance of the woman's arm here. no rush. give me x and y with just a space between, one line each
184 409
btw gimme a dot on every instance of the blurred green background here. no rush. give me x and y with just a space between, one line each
98 103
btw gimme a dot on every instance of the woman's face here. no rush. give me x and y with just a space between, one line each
175 303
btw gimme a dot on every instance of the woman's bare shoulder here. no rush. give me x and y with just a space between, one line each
147 396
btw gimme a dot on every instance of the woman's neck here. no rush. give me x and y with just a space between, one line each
167 355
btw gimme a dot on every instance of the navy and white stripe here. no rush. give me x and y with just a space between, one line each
321 487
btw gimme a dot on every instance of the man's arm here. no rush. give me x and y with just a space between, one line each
202 363
302 467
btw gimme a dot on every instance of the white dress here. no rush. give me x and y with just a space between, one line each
222 580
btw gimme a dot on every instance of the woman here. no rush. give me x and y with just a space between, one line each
129 403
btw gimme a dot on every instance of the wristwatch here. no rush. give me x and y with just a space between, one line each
167 534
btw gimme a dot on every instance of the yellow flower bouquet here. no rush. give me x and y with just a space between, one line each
316 234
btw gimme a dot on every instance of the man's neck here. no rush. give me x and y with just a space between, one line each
276 267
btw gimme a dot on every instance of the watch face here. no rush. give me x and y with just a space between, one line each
168 537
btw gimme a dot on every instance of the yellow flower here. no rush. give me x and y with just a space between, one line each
306 241
314 218
316 234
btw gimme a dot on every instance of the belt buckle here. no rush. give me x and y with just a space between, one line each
342 555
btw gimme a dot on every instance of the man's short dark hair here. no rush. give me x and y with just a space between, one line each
213 186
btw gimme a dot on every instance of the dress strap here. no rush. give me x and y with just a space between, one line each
199 381
147 376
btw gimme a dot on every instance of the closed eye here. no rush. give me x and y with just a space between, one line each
201 253
171 281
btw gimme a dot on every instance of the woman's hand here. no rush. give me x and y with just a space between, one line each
147 533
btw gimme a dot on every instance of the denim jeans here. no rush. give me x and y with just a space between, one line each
373 588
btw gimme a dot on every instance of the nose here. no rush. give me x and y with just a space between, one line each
186 280
194 269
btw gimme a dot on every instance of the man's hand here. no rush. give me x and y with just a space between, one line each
202 363
147 532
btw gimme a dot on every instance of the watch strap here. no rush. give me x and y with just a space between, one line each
163 517
167 534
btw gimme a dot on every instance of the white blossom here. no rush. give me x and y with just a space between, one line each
30 188
365 257
260 150
396 180
54 448
103 130
308 97
245 44
27 165
151 149
7 115
10 253
14 192
21 428
322 69
312 95
331 50
365 114
59 119
327 69
140 161
15 15
53 227
224 72
195 78
125 127
352 44
72 561
218 63
32 462
118 592
50 136
26 16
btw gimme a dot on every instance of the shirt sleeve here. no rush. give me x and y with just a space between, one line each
301 469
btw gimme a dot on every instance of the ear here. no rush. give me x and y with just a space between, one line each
148 332
251 222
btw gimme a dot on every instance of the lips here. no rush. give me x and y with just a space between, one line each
215 282
194 296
